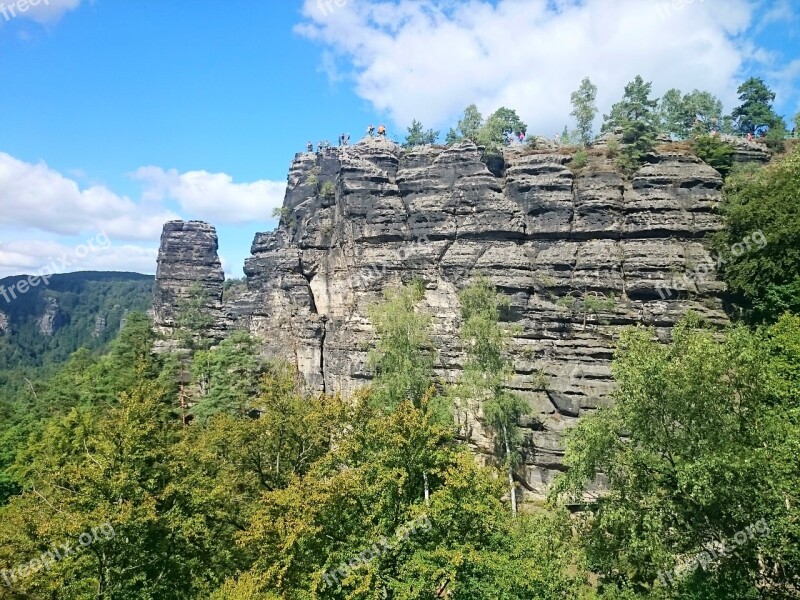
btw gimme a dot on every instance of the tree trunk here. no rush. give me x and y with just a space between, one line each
427 489
510 474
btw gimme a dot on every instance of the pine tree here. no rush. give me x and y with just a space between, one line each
755 112
417 136
635 116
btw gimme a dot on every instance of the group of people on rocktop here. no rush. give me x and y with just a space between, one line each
344 139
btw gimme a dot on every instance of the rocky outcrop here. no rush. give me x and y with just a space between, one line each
4 325
747 151
188 264
52 318
580 254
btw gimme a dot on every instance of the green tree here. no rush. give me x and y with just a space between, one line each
502 121
699 450
584 109
91 468
193 320
452 137
705 111
635 116
470 123
696 113
760 244
714 152
227 376
755 111
796 129
672 112
486 371
417 136
358 525
403 355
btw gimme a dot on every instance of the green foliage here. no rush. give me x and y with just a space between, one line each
756 110
91 309
714 152
193 320
580 160
487 369
565 136
584 109
470 124
282 212
590 302
776 136
796 122
227 376
696 113
452 137
612 148
710 435
762 214
403 355
417 136
502 121
635 116
328 190
354 505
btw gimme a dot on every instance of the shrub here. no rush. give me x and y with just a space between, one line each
328 189
580 160
714 152
612 149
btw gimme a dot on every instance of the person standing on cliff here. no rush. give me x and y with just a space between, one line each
310 147
371 131
382 132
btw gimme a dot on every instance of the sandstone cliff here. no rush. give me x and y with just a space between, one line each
581 254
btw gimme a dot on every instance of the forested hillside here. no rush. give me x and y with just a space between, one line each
212 472
47 323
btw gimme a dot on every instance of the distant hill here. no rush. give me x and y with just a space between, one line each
44 324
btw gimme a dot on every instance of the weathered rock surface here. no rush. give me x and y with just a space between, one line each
52 318
580 255
188 257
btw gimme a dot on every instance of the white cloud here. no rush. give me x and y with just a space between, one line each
213 196
47 219
41 11
92 253
428 59
34 196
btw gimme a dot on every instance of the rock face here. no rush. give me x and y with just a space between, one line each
4 326
187 258
52 318
580 255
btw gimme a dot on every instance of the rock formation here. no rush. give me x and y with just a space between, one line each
52 318
580 253
187 258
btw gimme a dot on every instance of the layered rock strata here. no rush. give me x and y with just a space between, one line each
580 253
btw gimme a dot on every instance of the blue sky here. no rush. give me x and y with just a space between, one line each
121 114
